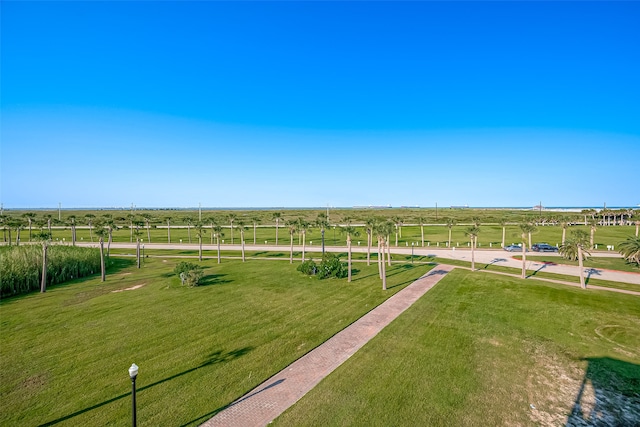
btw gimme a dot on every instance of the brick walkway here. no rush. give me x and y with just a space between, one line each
274 396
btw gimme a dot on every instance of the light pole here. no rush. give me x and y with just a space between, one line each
133 373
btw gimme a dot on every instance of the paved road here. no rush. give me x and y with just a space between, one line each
482 257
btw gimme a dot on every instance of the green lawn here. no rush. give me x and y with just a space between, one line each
619 264
483 349
65 353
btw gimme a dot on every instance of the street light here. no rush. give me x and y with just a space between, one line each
133 373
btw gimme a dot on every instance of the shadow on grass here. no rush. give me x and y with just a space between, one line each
215 357
213 279
544 265
616 385
590 272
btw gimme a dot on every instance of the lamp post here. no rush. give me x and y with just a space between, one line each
133 373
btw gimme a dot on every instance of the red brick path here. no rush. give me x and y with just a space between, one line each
274 396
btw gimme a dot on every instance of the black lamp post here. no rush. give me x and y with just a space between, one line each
133 373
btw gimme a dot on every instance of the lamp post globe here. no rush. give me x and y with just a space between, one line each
133 373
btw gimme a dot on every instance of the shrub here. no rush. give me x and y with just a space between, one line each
332 267
21 266
308 267
190 274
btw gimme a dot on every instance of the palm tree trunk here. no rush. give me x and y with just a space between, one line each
591 238
29 229
369 242
582 284
304 242
422 233
242 242
43 280
388 251
524 259
380 259
449 241
530 240
254 234
277 232
384 270
148 233
189 232
9 230
564 234
90 230
73 234
473 259
349 258
109 243
18 236
131 232
396 236
102 268
504 232
291 253
169 231
138 252
218 239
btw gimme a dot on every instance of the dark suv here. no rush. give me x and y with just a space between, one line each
543 247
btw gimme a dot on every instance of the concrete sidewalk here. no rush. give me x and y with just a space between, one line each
271 398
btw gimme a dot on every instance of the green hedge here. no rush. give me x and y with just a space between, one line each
21 266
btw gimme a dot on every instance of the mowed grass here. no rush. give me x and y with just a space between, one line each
482 349
65 353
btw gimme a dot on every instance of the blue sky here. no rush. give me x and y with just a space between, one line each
294 104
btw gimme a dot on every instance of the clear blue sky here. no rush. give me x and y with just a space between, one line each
285 104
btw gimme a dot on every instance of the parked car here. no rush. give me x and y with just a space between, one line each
514 248
544 247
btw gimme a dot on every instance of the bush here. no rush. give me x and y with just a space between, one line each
21 266
190 274
332 267
308 267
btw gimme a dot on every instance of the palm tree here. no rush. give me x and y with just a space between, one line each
322 223
131 218
189 221
630 249
531 230
350 230
593 224
217 229
147 219
421 220
48 217
18 224
256 221
450 222
29 216
137 233
369 225
168 219
564 223
503 223
382 230
200 231
241 228
101 232
303 226
44 238
110 224
3 221
293 229
277 216
637 226
526 228
472 232
397 222
574 249
89 217
72 223
231 217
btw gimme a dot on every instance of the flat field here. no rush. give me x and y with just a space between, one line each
65 353
481 349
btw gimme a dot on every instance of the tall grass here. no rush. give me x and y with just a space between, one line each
21 266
